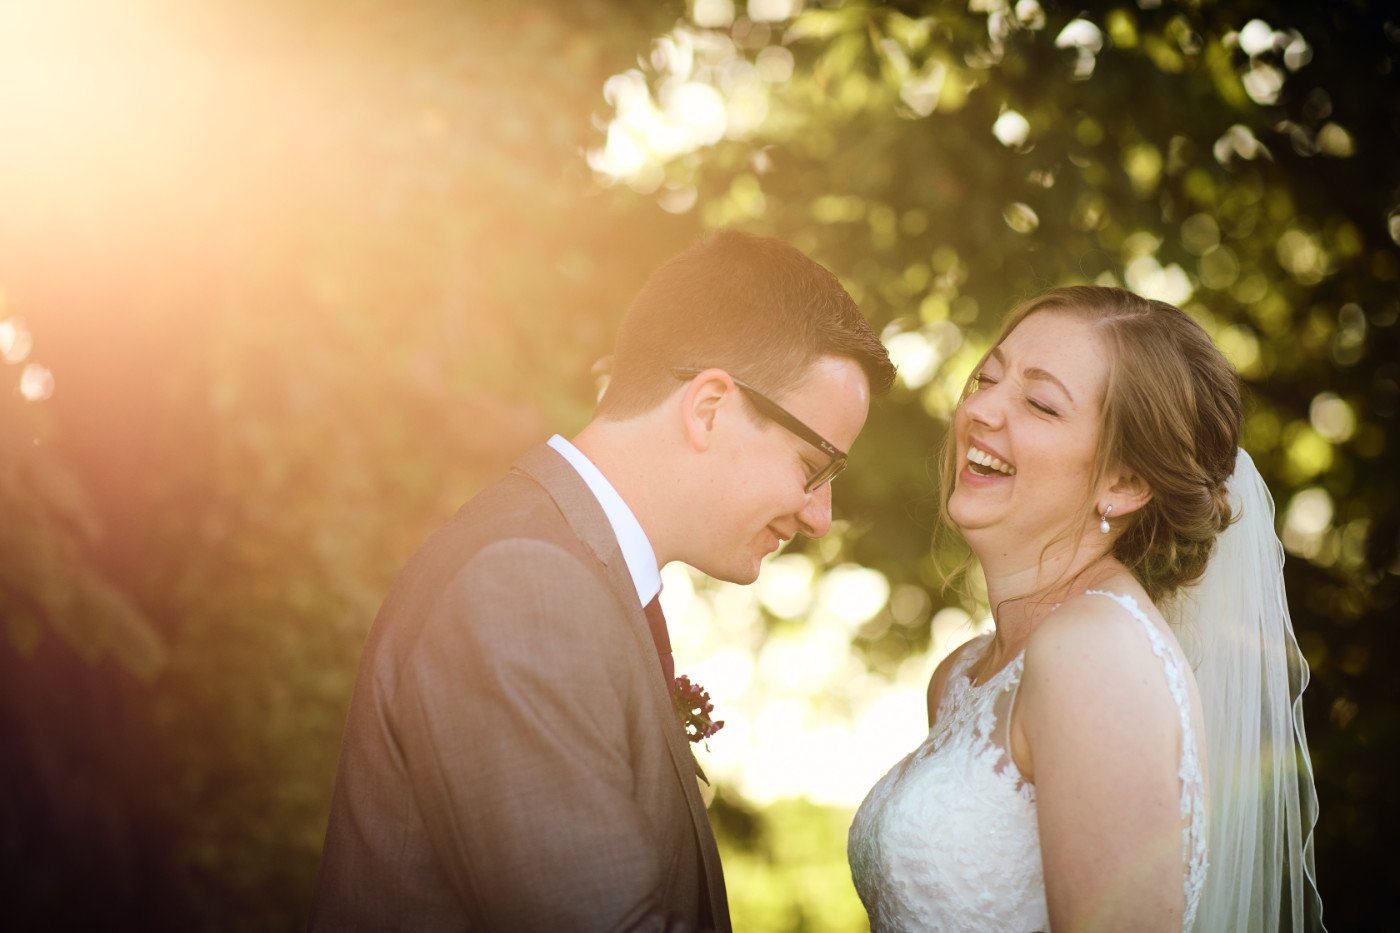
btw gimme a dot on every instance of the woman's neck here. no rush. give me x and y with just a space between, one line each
1022 596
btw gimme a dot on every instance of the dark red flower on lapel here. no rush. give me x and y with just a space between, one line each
693 708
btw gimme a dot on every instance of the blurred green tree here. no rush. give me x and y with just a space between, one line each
298 302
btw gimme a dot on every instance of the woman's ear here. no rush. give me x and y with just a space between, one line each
700 406
1126 492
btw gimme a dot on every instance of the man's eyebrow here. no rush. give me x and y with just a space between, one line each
1034 372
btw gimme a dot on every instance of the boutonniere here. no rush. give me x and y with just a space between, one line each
693 709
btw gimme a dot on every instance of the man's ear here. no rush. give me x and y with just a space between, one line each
701 402
1126 492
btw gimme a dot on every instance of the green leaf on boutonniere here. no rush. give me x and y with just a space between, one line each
699 771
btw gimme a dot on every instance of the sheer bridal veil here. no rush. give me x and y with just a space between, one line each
1251 677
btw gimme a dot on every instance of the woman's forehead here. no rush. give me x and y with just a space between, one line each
1060 345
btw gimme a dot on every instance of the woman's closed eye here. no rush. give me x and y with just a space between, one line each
983 381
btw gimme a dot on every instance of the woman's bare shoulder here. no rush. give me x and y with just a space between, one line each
1094 649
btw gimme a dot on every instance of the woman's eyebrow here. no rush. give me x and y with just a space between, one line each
1034 372
1037 373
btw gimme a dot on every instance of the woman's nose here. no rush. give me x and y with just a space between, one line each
985 407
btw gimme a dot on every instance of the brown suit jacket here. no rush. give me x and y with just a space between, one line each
511 759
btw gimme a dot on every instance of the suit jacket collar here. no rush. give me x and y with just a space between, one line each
576 501
632 538
585 516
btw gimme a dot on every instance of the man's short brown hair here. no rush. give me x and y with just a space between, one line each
751 305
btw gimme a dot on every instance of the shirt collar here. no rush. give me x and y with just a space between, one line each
636 549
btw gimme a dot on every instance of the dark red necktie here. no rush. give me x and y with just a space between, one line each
656 621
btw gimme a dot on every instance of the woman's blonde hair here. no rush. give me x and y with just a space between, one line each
1171 417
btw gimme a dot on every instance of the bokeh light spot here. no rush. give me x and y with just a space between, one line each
1256 38
699 107
774 64
1239 141
914 357
1302 255
1308 517
1335 141
1011 129
15 340
1262 83
1143 163
773 11
853 593
1309 453
1020 217
1030 14
1086 39
785 587
1146 276
712 14
1200 233
1332 417
1349 339
35 383
1241 348
1219 267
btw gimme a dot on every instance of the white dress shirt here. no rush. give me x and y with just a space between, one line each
636 549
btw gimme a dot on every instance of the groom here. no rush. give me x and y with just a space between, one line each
512 760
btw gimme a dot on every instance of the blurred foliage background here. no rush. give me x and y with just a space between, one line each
283 283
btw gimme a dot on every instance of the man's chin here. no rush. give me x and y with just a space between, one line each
740 575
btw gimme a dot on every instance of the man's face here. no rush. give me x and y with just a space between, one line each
756 497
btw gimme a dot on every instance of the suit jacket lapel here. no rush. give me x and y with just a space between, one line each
583 513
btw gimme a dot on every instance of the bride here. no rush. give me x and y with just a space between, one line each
1125 751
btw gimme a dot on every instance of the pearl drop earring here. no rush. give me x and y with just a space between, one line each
1103 519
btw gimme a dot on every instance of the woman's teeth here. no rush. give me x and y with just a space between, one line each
980 458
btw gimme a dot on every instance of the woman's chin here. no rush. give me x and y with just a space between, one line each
965 521
963 514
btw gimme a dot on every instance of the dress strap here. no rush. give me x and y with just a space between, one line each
1159 648
1193 814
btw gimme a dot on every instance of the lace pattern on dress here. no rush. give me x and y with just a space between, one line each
978 710
948 839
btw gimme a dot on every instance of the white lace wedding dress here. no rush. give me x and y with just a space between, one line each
947 840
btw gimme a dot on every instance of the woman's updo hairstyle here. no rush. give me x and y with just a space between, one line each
1171 416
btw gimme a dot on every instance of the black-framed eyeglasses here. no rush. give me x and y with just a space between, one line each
775 412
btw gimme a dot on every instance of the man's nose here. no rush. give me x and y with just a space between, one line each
815 518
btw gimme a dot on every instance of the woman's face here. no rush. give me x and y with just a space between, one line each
1027 435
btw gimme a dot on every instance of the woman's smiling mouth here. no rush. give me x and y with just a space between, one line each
985 464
